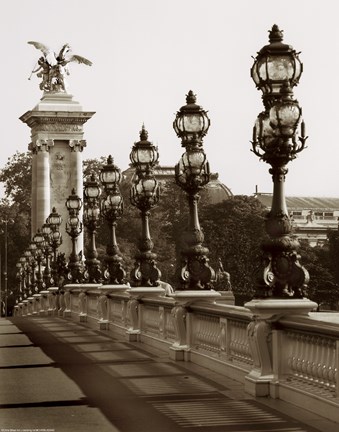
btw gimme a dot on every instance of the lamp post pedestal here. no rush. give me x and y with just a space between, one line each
44 302
265 361
133 309
52 297
83 299
183 299
36 304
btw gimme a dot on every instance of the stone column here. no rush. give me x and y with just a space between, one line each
42 179
56 169
33 189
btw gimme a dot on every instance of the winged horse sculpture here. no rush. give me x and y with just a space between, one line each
53 68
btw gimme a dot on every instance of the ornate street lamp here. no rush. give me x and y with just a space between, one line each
74 229
144 195
278 136
144 155
22 260
38 239
192 173
46 249
54 239
91 218
112 209
32 249
274 64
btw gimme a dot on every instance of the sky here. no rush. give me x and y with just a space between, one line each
147 55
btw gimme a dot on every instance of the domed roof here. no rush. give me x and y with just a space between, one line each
213 193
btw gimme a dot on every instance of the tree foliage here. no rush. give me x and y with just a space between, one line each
17 178
234 231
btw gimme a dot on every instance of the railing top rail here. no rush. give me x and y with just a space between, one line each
309 324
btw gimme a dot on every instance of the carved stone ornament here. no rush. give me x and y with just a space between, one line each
57 127
41 145
77 145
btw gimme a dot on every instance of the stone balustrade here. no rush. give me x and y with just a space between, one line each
303 349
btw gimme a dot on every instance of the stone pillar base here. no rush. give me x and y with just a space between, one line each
133 335
257 385
103 325
67 314
178 353
42 313
83 318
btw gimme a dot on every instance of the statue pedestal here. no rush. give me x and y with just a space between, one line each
56 124
103 309
180 348
133 309
265 312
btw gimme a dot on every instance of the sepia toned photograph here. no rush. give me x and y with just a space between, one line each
169 216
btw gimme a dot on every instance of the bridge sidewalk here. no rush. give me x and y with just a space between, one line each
60 376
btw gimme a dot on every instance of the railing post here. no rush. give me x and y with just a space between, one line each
337 368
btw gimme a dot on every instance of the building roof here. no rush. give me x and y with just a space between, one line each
307 203
215 190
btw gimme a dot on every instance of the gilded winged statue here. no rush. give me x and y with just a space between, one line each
52 68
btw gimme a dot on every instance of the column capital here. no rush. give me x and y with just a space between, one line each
77 145
41 145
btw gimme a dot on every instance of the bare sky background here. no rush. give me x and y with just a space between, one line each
147 54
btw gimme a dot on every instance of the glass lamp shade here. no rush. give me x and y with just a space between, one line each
144 154
110 175
91 214
146 187
38 252
73 202
54 219
193 162
285 117
276 63
18 265
55 237
263 131
32 247
38 238
112 202
92 189
22 259
191 122
46 230
74 222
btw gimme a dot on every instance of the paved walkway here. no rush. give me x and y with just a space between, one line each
60 376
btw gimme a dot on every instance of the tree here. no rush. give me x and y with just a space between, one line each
234 231
322 287
17 178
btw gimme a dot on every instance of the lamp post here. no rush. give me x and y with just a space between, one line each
46 249
144 195
192 173
112 209
278 136
32 248
28 258
91 218
74 229
38 239
54 239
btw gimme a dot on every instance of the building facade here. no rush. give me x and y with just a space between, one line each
312 216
